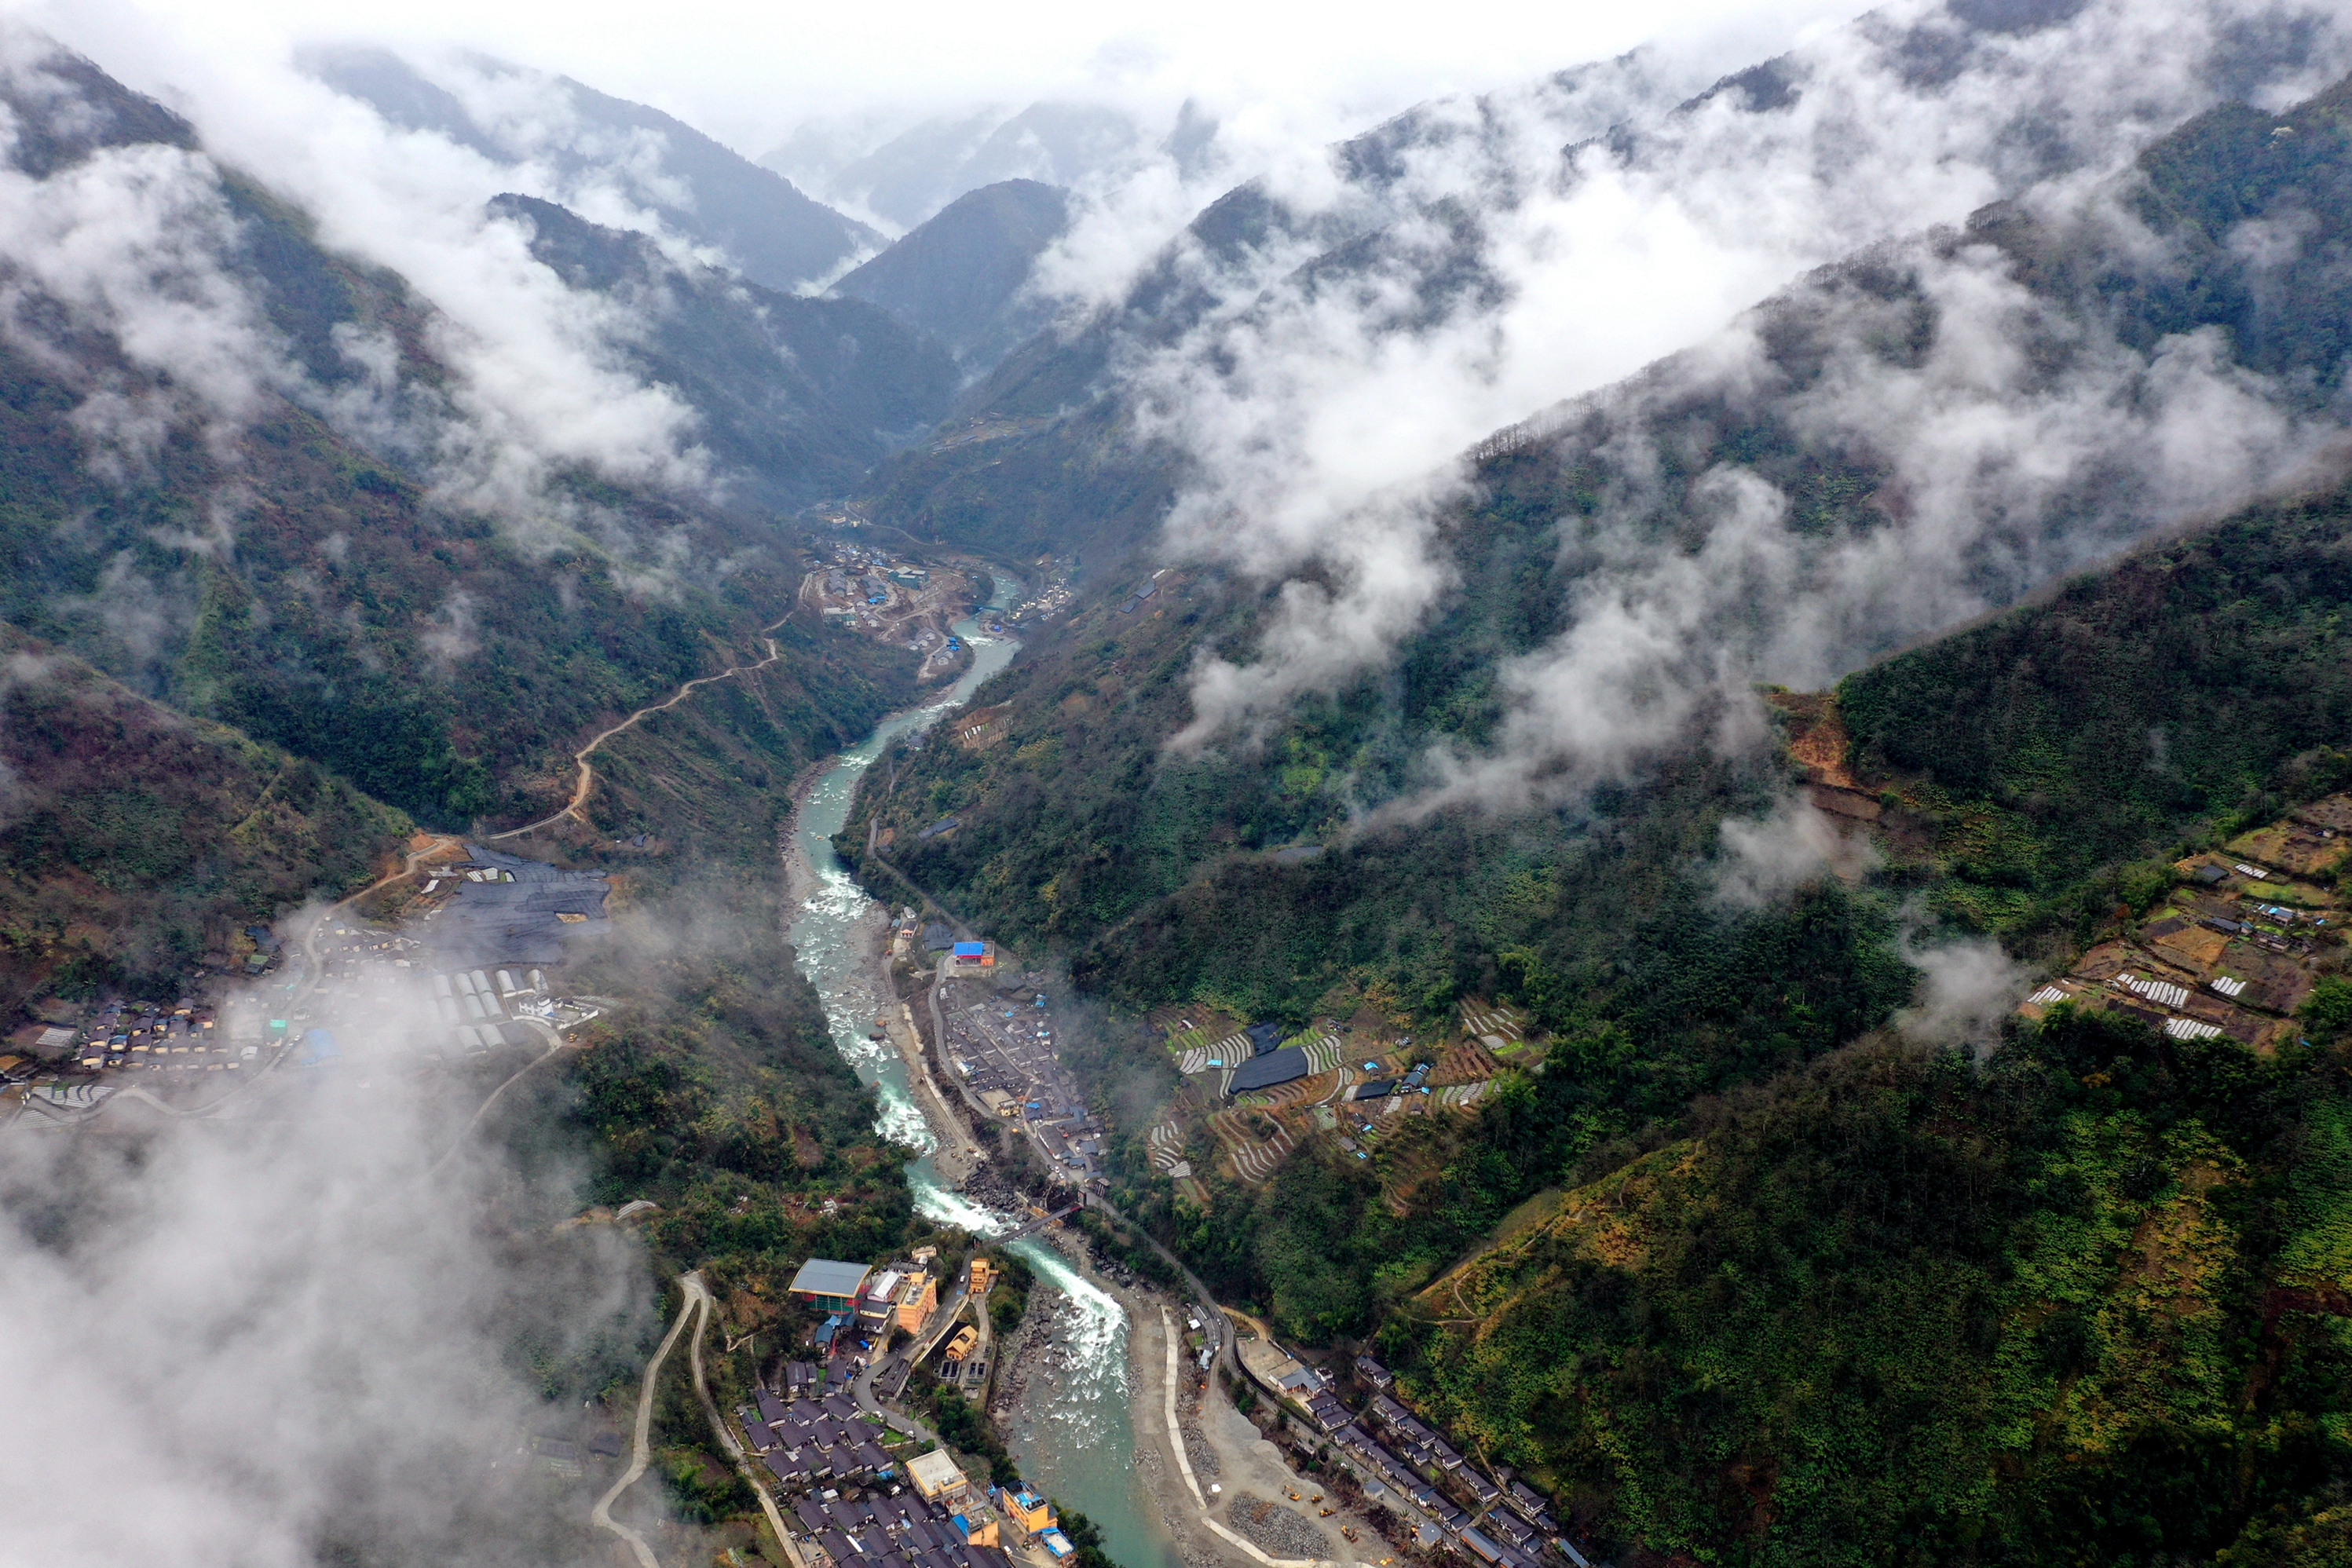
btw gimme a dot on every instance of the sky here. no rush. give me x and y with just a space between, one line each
748 74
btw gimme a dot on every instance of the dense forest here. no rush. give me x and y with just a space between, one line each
2084 1302
1783 1284
138 841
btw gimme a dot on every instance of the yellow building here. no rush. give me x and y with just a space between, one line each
1031 1512
919 1298
966 1339
983 1276
936 1477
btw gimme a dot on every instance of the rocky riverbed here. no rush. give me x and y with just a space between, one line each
1280 1530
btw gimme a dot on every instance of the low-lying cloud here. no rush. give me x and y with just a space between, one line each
141 246
1322 401
1967 987
280 1334
1766 858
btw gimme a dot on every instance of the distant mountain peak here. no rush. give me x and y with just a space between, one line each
961 275
774 232
65 107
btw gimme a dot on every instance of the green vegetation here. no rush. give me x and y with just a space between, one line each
1803 1300
138 841
964 1426
1008 1297
1151 871
2199 681
1086 1537
1901 1308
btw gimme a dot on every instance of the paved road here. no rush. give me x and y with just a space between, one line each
902 1362
692 1281
861 1390
1212 1314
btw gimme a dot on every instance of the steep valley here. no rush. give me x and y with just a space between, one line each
1558 955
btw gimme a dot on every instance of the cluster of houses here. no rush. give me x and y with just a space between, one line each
938 1519
866 1304
1507 1524
183 1037
2229 951
1053 596
820 1442
867 589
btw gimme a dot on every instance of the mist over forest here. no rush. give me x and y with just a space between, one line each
1647 731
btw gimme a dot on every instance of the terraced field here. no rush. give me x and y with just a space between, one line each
1494 1026
1249 1158
1464 1064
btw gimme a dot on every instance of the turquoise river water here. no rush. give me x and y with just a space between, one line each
1075 1435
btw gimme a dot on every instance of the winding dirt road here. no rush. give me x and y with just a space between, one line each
586 781
640 1452
556 1046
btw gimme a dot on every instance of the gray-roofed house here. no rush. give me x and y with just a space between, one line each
1532 1505
1266 1071
828 1285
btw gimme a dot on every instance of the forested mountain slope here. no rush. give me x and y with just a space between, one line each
768 230
1792 1299
2083 1300
136 841
1081 829
960 276
1081 439
2082 1303
798 397
275 509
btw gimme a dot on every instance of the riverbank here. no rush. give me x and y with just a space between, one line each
1251 1506
1083 1407
955 1152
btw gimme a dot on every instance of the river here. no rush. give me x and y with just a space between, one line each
1074 1437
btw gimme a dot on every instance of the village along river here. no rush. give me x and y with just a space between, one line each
1075 1435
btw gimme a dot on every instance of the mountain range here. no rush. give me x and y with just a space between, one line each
1743 699
915 174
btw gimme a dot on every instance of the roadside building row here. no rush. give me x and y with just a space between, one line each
1511 1523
